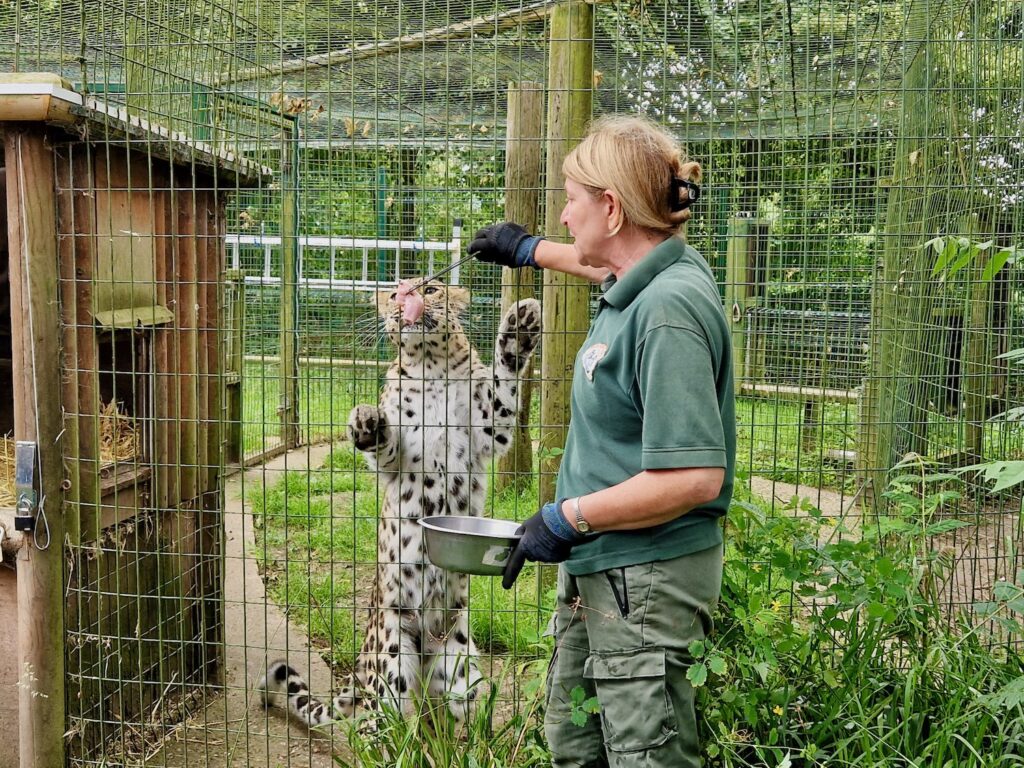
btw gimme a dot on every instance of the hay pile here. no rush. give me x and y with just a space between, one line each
119 441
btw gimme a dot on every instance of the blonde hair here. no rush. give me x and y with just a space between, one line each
638 161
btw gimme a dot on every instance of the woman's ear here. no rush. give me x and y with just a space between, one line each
612 206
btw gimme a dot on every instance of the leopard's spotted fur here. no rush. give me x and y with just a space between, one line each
442 416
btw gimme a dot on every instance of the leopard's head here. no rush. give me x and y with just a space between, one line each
432 310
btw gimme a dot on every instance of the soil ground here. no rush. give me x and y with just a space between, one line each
234 730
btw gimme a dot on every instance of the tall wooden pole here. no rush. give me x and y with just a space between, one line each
737 291
523 136
980 343
566 299
31 224
289 406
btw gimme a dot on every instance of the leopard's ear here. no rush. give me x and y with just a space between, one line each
381 299
458 298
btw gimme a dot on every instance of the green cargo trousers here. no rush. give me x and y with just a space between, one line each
622 635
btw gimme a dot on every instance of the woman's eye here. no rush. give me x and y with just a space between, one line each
431 289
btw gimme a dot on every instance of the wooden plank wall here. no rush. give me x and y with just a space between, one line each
9 669
145 583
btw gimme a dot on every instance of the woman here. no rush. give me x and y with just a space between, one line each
648 466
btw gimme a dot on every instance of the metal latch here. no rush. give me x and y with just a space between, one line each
27 500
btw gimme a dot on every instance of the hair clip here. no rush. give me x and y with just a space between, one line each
692 194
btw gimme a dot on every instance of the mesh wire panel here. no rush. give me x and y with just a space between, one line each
852 154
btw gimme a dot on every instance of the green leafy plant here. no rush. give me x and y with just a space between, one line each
832 647
496 736
582 707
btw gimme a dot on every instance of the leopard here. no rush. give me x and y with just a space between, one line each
442 416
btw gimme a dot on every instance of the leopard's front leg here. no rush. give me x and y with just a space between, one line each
371 432
496 400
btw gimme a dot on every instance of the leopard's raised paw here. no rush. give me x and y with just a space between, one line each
366 425
519 333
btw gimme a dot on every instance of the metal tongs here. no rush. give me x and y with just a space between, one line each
440 272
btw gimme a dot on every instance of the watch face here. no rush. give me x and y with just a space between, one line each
581 525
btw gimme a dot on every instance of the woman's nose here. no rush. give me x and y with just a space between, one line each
563 217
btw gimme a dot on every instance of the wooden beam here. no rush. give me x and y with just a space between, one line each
798 393
289 405
566 299
31 225
977 366
523 137
492 23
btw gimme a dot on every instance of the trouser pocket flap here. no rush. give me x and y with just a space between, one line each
642 663
636 712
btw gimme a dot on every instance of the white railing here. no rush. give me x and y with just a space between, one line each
367 247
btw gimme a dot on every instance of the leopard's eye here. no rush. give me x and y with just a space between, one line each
392 295
431 289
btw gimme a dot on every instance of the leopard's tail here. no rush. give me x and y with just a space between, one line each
285 688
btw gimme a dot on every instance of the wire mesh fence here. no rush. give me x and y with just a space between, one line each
233 184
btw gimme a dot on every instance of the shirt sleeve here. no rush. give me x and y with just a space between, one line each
677 396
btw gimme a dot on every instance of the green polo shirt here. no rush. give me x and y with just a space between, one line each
652 389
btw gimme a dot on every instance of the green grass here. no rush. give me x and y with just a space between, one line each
772 441
317 538
770 435
326 395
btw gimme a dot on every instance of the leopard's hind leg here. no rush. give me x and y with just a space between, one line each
387 671
450 656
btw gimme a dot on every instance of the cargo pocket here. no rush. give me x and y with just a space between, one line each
636 712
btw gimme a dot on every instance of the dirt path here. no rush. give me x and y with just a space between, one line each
971 560
832 503
234 729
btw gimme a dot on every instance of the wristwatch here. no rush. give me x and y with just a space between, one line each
581 524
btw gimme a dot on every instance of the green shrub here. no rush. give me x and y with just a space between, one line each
832 647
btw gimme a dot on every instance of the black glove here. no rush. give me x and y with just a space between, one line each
547 537
506 244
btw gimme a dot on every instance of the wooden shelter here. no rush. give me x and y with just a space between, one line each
111 365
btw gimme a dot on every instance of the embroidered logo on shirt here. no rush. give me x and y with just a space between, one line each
592 357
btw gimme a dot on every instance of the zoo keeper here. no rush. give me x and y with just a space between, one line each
647 472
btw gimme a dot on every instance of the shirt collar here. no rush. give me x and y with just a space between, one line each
620 293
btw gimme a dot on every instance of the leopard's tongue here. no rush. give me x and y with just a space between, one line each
409 301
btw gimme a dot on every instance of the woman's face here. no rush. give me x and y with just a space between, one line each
588 218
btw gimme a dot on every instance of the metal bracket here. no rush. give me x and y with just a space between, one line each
25 459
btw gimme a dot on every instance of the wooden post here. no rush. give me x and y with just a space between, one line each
289 405
566 299
189 226
409 262
32 225
976 364
523 137
737 292
234 328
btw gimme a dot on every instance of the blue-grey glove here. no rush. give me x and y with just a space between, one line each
506 244
547 537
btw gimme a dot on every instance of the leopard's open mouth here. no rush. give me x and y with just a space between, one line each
426 324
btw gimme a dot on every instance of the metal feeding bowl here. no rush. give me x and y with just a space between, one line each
465 544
